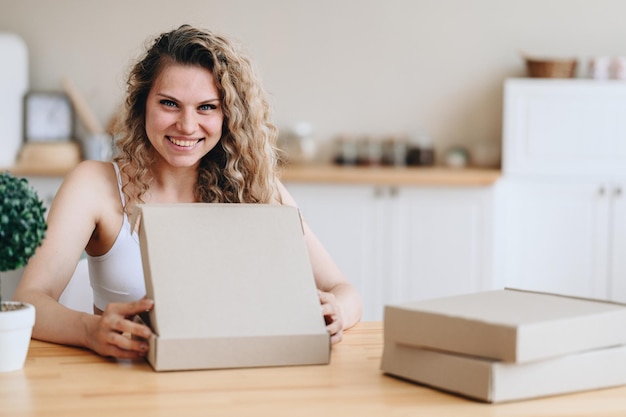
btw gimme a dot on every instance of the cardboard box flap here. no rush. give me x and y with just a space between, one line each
227 271
508 325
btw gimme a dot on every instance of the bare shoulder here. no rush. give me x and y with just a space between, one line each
92 170
90 188
90 177
87 206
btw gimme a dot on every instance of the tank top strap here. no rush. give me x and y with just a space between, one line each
119 183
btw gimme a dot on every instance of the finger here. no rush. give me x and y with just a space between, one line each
132 308
129 327
114 322
122 346
325 297
138 329
337 337
129 309
329 314
118 353
128 344
334 323
328 310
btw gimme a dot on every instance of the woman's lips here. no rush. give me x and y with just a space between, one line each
185 143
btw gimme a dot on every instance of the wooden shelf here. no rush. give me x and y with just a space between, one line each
436 176
340 175
47 159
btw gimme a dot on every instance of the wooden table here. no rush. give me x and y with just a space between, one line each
68 382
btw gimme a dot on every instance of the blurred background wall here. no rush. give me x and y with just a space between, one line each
345 66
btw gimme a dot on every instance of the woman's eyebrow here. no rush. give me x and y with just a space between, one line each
169 97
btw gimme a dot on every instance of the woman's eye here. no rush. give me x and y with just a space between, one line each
168 103
207 107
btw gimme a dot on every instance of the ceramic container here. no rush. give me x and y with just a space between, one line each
15 331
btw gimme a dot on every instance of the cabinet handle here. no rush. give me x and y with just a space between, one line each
378 192
617 191
601 191
393 191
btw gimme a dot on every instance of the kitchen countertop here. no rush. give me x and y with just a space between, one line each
335 174
39 171
382 175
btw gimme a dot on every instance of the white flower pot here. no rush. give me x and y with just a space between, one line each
16 327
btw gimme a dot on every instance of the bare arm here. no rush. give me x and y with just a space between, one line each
78 208
341 302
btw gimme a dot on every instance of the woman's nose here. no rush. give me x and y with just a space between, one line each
187 122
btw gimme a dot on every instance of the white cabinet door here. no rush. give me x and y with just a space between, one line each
399 244
570 127
555 237
565 218
617 232
446 237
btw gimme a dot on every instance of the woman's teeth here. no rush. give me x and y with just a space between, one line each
183 143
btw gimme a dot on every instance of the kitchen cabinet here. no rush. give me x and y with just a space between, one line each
403 243
562 217
564 127
565 236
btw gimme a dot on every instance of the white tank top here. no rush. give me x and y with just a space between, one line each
117 276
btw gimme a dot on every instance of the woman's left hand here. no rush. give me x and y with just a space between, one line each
332 315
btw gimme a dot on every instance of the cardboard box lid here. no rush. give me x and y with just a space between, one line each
493 381
508 325
227 271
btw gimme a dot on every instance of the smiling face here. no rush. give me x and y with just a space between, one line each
183 114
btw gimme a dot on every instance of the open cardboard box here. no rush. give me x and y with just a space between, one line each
507 344
232 285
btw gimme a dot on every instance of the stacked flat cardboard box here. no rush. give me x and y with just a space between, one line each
507 345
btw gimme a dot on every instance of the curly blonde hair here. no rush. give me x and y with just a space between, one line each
242 166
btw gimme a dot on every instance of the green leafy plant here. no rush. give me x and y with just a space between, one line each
22 222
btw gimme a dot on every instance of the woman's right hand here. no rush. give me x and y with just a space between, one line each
115 334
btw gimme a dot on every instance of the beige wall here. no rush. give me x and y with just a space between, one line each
352 66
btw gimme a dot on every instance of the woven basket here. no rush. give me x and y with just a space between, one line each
565 68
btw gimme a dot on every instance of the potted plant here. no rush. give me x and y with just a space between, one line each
22 228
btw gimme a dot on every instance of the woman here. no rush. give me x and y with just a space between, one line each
196 129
